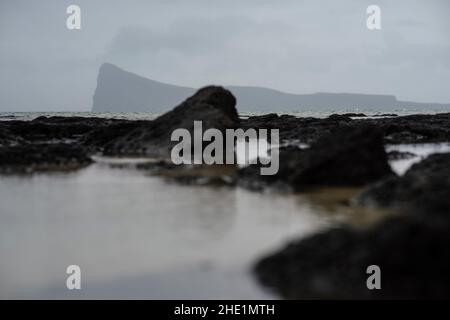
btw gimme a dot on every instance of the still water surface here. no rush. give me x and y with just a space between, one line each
139 236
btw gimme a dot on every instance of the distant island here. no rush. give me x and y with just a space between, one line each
122 91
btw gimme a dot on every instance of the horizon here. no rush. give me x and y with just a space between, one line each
229 87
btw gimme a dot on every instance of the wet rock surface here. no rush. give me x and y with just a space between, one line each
215 107
348 156
47 143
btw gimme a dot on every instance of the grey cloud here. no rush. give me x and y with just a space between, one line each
290 45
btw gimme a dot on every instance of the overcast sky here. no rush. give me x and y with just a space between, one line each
290 45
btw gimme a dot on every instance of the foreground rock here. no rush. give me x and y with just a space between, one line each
42 157
425 184
349 156
411 249
214 106
412 252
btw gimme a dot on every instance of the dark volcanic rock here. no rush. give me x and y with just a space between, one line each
55 128
416 128
251 178
426 184
7 138
339 117
38 157
214 106
412 253
98 138
349 156
406 129
387 115
355 115
305 130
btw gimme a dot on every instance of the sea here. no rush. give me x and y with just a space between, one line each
317 113
136 235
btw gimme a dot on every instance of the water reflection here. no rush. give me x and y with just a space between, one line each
135 235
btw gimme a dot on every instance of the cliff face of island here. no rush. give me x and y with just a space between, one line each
121 91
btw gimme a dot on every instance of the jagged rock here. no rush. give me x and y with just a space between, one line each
214 106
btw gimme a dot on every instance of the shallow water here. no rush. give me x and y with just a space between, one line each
139 236
418 152
136 236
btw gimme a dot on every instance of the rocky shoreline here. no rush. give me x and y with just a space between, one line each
343 150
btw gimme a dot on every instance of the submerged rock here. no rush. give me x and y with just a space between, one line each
426 184
349 156
214 106
411 251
